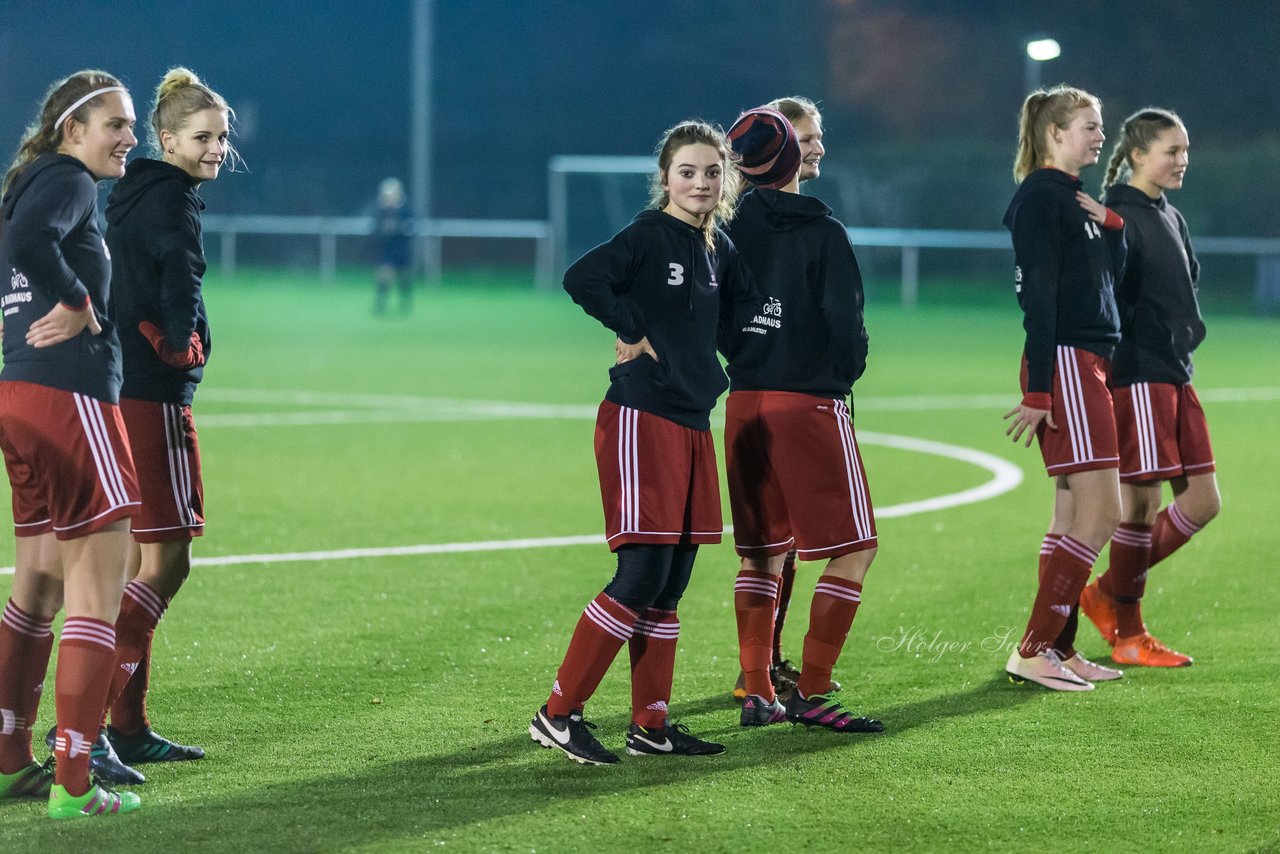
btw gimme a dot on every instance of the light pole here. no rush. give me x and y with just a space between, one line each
1039 49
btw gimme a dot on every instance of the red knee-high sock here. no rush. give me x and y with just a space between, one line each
1065 574
602 629
140 610
835 604
788 578
1065 643
1126 577
653 664
25 644
1047 546
85 656
1171 532
755 595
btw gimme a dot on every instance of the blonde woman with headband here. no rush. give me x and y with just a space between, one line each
64 442
153 231
1068 249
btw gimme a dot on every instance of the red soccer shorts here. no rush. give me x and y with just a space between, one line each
1086 436
167 454
658 479
1163 432
68 461
795 476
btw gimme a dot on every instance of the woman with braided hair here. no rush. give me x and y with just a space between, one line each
1163 434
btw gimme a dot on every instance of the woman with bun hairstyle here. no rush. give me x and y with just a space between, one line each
1068 249
795 473
153 231
1163 434
659 285
64 443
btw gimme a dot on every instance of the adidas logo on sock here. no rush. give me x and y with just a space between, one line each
1064 610
659 706
129 667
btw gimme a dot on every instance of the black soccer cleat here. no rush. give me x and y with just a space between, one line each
571 735
757 711
103 761
149 746
671 740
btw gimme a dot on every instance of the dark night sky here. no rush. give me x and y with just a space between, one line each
913 91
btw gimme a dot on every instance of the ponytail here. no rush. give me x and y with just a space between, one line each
1042 108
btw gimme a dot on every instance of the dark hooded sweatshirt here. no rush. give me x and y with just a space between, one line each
657 279
1160 322
51 251
1067 266
810 337
153 231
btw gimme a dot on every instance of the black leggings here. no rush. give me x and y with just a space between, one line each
651 576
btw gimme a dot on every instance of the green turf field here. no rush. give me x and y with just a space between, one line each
381 702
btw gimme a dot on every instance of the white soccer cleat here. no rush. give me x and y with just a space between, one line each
1045 669
1091 670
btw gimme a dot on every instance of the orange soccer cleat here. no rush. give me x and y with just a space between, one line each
1145 651
1100 610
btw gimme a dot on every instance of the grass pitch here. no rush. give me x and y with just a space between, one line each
380 702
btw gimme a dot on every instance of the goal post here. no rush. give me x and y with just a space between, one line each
618 204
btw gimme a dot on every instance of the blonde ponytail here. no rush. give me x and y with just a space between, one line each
1042 108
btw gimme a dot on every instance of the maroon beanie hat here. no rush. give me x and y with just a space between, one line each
767 147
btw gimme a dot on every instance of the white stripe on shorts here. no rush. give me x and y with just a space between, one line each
179 469
1073 403
854 475
629 468
104 456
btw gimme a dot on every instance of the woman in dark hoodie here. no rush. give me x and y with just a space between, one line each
795 472
1068 249
64 442
659 285
1162 428
153 231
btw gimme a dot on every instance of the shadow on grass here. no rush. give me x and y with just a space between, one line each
434 797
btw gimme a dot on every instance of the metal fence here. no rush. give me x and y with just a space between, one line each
433 232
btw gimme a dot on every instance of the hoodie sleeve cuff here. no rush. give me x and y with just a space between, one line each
77 303
1038 400
1113 222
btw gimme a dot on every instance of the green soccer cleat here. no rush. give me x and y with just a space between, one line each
149 746
99 800
33 781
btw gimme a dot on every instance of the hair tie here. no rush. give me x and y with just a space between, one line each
95 93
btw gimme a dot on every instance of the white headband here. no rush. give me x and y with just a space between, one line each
95 93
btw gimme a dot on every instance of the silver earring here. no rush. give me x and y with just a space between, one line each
171 151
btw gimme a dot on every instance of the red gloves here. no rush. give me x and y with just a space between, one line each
192 357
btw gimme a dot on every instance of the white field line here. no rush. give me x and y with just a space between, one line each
384 408
1004 477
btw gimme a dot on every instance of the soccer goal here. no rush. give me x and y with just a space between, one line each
592 197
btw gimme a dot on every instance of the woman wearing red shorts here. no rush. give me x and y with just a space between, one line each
65 448
1163 434
659 285
153 231
1068 249
796 478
